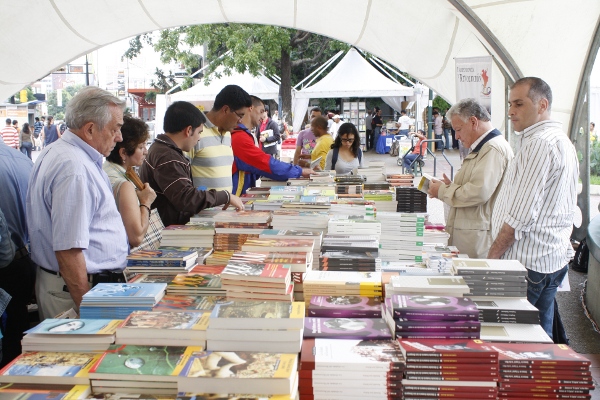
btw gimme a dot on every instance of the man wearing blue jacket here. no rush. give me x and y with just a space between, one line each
249 161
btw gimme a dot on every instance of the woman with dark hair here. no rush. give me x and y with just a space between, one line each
50 132
25 140
345 154
134 205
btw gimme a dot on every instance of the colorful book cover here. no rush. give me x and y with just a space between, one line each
52 326
423 307
346 328
345 306
117 291
264 314
254 271
278 245
160 255
24 391
71 368
165 320
150 278
538 354
195 281
197 228
189 303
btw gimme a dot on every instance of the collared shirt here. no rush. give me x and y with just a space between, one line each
212 159
538 198
10 136
479 139
70 205
15 169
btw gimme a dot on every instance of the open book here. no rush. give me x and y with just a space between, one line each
316 162
424 183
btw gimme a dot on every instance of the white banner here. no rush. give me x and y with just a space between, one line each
474 79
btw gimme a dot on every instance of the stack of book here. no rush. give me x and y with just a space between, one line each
381 185
341 283
401 236
468 369
435 317
161 261
22 391
427 285
308 203
239 372
345 307
350 260
220 257
374 172
198 234
264 204
46 368
294 234
499 278
436 235
514 333
411 200
543 371
233 229
73 335
278 244
287 193
341 369
118 300
139 369
353 225
271 326
163 328
507 311
385 200
201 281
199 304
362 207
348 190
248 276
400 179
295 219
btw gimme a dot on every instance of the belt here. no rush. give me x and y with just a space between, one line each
21 253
99 277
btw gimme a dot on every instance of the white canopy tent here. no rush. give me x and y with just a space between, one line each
353 76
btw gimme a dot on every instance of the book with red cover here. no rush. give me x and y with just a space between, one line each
449 348
331 374
544 388
538 354
452 367
246 271
345 306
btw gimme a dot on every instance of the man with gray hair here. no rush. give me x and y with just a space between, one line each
77 234
472 195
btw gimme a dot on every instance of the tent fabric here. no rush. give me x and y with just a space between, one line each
259 86
546 38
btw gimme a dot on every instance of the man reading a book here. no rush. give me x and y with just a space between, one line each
249 161
77 234
533 216
169 172
472 194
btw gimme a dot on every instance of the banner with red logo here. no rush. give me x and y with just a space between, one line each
474 79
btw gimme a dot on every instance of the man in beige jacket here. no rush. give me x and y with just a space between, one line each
472 195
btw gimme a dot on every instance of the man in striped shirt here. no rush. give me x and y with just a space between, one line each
532 219
10 135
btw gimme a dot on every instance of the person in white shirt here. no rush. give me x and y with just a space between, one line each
403 123
333 129
533 216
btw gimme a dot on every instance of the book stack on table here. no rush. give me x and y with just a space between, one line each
385 199
427 285
373 172
450 368
411 200
498 278
439 317
401 236
75 335
271 326
294 234
232 229
220 257
353 225
200 281
353 207
346 369
300 219
161 261
543 371
200 304
199 234
345 317
18 391
250 276
341 283
507 311
118 300
350 253
163 328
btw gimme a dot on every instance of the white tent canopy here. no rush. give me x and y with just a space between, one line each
551 39
353 76
259 86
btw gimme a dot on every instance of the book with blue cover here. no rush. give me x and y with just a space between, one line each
133 293
162 257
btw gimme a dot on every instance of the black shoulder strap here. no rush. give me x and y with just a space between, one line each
334 157
359 155
490 136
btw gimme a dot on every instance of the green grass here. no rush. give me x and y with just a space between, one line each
594 180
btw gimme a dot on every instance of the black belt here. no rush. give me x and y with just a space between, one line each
99 277
21 253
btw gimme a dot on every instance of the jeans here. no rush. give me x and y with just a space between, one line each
370 144
26 148
376 134
541 290
447 139
403 132
439 145
408 159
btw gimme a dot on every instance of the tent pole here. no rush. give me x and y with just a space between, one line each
385 64
197 72
319 70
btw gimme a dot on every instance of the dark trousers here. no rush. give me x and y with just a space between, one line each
18 280
370 138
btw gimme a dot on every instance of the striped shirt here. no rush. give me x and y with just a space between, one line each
10 136
212 159
70 205
538 198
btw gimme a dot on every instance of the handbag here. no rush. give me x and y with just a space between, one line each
153 235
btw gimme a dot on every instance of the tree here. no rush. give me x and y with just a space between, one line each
67 94
441 104
289 53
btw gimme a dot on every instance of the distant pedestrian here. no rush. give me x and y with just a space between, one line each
37 130
50 133
10 135
26 140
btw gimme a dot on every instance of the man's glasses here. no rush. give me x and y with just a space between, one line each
238 115
348 140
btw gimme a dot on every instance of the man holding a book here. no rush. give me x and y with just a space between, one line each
77 234
472 194
533 215
249 161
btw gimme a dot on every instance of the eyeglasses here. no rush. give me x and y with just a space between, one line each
238 115
348 140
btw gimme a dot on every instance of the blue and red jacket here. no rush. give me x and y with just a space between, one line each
250 163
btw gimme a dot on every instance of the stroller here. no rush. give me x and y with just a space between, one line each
406 146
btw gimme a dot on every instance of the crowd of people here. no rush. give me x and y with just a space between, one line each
68 221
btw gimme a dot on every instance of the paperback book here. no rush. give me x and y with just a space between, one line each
346 328
345 306
258 315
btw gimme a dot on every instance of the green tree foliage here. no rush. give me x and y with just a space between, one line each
288 53
440 104
67 94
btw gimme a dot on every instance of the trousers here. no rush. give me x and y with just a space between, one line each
541 291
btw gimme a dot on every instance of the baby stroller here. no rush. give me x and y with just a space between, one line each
406 146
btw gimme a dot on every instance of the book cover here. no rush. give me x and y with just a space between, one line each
261 245
345 306
75 327
424 307
514 333
188 303
258 315
164 324
116 292
536 354
346 328
162 255
195 280
416 327
150 278
23 391
449 348
255 272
